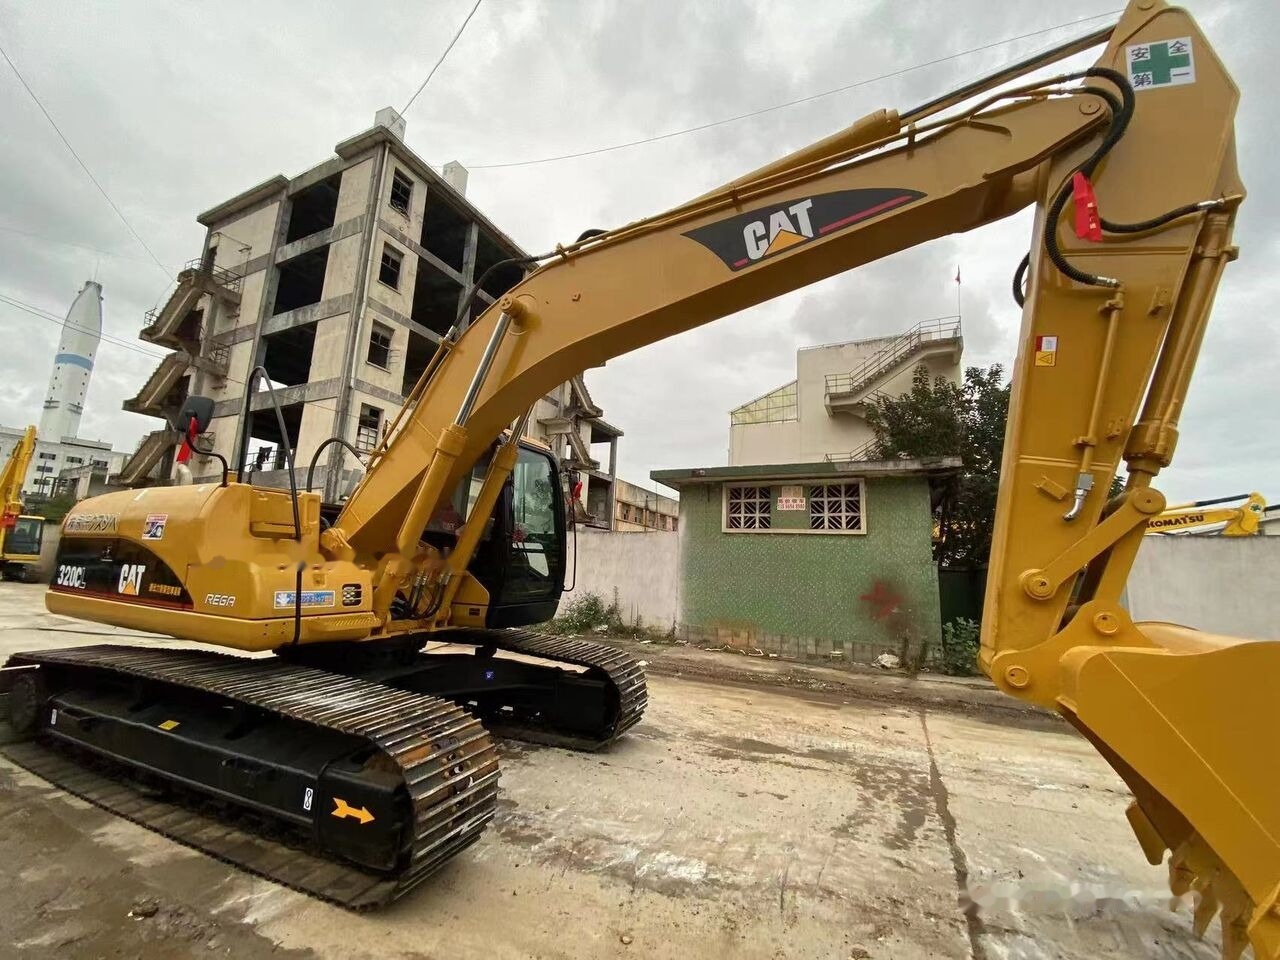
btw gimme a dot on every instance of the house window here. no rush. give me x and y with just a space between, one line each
401 192
103 463
749 508
835 506
48 456
43 469
368 427
75 459
380 346
389 268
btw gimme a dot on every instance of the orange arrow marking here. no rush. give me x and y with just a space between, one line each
343 809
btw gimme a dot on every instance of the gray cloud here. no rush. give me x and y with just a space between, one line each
176 107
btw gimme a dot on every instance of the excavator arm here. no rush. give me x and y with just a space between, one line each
1114 314
12 476
1130 167
1244 520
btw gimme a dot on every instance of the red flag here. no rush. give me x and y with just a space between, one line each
188 441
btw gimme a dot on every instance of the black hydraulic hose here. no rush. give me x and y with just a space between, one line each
475 287
1019 276
297 603
315 457
1121 114
226 468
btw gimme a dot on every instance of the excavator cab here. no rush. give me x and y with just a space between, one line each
521 556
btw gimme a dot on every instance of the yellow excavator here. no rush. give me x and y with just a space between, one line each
1244 520
369 754
21 535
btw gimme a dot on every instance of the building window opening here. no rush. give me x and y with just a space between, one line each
368 428
380 346
489 254
266 446
287 355
835 506
435 298
444 231
749 508
313 209
301 280
389 268
401 192
417 356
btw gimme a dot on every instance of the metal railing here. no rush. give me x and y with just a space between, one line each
229 278
900 349
863 452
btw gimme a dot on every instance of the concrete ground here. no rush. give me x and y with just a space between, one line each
745 820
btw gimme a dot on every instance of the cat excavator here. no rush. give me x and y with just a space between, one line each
359 757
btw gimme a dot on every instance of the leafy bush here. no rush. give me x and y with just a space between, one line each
587 612
960 641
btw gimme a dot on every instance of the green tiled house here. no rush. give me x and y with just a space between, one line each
811 560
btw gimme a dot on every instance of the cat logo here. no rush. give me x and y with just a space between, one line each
748 238
131 579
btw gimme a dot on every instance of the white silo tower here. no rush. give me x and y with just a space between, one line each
81 334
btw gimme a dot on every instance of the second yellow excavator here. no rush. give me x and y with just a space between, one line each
1244 520
21 535
367 753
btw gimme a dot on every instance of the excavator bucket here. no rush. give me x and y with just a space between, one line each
1187 722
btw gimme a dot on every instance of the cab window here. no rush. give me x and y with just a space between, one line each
536 565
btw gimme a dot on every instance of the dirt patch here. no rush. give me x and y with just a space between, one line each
833 687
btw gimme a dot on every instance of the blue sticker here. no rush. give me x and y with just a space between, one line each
310 598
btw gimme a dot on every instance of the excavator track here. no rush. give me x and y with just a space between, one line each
420 768
560 691
623 672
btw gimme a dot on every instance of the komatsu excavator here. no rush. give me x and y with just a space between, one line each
353 763
1244 520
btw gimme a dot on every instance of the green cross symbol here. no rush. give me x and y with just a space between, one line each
1160 63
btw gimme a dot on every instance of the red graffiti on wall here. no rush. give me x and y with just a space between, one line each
883 602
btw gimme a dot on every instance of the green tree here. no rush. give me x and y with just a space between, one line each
937 418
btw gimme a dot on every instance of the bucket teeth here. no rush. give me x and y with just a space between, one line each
1196 869
1206 909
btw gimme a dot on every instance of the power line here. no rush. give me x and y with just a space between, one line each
790 103
117 342
83 166
442 56
72 243
111 339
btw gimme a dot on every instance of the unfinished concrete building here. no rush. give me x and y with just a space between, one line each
340 282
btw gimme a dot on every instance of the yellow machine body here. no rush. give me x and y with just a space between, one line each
1101 377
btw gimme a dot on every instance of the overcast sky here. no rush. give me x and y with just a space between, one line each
175 107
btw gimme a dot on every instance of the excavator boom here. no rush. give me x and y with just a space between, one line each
1130 166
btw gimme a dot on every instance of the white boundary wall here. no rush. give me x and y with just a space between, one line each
1226 585
644 567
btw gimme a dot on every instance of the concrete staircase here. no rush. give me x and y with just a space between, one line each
154 446
163 326
848 392
154 397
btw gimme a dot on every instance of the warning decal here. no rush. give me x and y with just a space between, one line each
1046 351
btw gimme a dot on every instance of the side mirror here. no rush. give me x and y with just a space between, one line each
199 408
